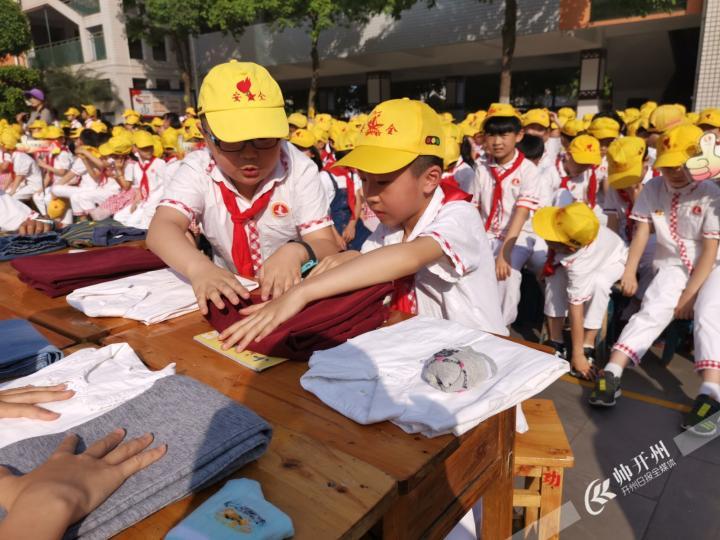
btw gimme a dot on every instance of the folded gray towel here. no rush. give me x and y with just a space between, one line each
209 436
457 370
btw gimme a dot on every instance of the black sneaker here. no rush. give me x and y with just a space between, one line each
590 355
606 391
698 421
560 350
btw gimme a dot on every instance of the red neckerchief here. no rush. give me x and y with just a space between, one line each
404 298
497 190
240 246
349 184
549 266
629 224
592 187
145 181
171 159
327 157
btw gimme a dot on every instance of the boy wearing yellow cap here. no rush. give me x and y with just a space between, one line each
578 177
26 177
538 122
72 114
506 189
588 259
258 198
709 122
430 242
686 220
55 164
89 114
605 127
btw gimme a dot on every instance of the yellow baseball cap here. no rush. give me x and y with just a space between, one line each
56 208
132 119
71 111
566 113
298 120
667 117
53 132
709 117
40 133
90 109
501 110
303 138
142 139
631 114
241 101
169 138
692 117
585 150
9 140
117 130
116 146
625 162
99 127
192 130
446 117
469 128
337 129
573 127
158 149
347 141
536 116
190 111
397 132
575 225
452 152
678 145
75 133
38 124
324 120
604 128
320 133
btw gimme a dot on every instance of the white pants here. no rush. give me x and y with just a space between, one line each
24 192
657 312
509 289
539 256
83 200
556 299
42 200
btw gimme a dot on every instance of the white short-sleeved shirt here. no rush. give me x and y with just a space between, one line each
156 174
13 213
171 167
553 147
464 175
583 265
298 205
681 218
25 165
63 160
326 178
460 287
80 170
521 188
621 207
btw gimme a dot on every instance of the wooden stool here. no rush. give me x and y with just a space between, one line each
541 455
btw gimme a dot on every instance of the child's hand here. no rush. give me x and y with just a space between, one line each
22 402
281 271
581 364
629 284
262 319
31 227
209 282
502 268
685 306
348 234
331 261
339 239
83 481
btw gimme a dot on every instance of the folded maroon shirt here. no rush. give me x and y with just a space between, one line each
321 325
56 275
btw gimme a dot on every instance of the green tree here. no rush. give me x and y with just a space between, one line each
320 15
67 88
14 80
180 20
14 29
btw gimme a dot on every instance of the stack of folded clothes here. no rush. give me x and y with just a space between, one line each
209 436
321 325
106 232
15 246
24 350
56 275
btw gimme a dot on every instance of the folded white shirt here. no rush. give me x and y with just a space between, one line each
102 380
377 376
150 298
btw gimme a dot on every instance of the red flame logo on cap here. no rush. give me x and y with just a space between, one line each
244 86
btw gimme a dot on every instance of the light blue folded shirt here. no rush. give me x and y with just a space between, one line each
238 511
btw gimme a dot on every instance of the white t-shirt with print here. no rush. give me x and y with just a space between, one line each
12 213
25 165
461 286
298 205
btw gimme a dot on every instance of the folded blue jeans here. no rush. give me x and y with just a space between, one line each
23 350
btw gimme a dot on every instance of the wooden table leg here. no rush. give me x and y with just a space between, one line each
550 501
531 512
497 500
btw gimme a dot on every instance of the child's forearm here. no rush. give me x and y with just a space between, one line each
704 266
166 238
381 265
637 246
22 521
518 219
577 327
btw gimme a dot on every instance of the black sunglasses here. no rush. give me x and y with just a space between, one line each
257 144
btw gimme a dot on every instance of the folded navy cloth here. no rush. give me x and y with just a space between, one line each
81 234
116 234
24 350
209 436
12 247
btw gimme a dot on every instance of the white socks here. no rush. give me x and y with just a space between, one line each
711 389
615 369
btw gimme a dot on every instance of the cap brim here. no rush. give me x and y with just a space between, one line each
605 134
626 179
245 124
543 223
671 159
586 159
377 159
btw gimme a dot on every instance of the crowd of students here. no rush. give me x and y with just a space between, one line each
450 212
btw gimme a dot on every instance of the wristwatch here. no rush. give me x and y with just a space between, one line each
312 258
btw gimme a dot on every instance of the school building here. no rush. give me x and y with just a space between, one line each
591 54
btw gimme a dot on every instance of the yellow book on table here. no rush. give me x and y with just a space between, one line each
249 359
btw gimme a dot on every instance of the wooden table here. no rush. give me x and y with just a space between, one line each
60 341
437 480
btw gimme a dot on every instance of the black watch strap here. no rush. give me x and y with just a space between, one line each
311 254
